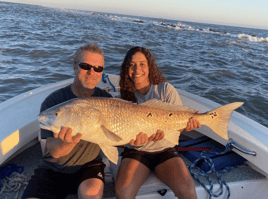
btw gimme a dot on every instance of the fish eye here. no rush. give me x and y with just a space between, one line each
56 114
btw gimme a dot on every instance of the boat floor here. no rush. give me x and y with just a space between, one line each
30 158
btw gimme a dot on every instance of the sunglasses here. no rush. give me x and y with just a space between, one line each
86 66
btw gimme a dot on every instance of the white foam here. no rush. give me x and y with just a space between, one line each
190 28
253 38
263 40
206 30
114 17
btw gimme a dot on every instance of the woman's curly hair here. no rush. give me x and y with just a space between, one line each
127 88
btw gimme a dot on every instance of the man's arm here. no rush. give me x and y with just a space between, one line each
62 143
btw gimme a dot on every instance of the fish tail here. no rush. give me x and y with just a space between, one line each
220 118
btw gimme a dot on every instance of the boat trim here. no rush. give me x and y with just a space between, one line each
233 145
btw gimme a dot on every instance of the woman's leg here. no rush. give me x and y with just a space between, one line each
174 173
131 175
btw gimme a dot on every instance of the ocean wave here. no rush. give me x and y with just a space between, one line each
173 24
253 38
183 26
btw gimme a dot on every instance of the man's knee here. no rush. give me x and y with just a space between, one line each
91 188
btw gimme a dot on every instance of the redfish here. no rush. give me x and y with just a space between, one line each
110 122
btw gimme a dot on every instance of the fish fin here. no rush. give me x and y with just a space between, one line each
121 100
110 135
172 136
155 103
221 118
110 152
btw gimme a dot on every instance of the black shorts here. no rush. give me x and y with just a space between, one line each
150 160
48 184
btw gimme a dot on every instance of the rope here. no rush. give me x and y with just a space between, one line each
208 160
12 179
105 77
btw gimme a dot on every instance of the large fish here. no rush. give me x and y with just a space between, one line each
111 122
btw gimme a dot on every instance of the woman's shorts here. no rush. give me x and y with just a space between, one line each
150 159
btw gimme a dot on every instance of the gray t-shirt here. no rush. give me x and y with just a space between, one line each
166 93
83 152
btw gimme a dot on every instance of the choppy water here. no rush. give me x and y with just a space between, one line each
222 63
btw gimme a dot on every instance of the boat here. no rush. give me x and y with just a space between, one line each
20 144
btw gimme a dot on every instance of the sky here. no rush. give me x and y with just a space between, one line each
245 13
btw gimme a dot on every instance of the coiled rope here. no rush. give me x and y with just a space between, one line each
104 79
12 179
201 173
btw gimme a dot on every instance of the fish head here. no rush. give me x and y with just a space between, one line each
53 119
75 114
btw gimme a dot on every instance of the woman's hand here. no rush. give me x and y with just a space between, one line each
192 124
142 138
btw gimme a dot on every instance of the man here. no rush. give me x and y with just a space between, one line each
71 165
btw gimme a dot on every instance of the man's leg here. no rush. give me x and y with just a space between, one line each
91 189
46 184
91 182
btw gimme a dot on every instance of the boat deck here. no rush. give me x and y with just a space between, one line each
30 158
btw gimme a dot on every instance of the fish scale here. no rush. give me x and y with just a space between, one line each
111 122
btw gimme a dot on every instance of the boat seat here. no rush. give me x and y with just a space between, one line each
152 184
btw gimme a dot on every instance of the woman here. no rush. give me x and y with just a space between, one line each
140 81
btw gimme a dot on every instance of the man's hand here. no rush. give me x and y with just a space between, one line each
62 143
142 138
65 135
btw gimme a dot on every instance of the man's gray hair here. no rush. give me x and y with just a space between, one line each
93 48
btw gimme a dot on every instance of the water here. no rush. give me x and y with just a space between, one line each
221 63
